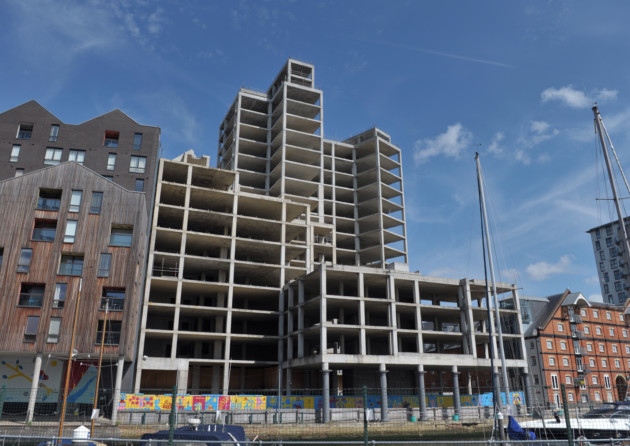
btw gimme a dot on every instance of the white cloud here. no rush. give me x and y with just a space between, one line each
522 156
450 143
538 126
495 145
542 270
571 97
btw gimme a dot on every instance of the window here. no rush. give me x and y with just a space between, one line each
554 382
608 316
611 332
533 361
602 266
552 361
606 288
568 379
617 364
54 132
606 277
138 164
598 331
53 330
31 295
609 230
53 156
112 332
565 362
19 172
1 256
111 138
620 317
104 264
570 396
583 312
15 153
24 263
75 201
30 333
594 380
608 242
139 185
591 362
595 314
108 177
96 203
549 345
111 161
137 141
628 349
71 265
114 298
598 396
587 330
121 236
563 345
560 327
25 131
44 230
71 231
59 299
601 348
604 363
607 382
589 347
598 245
613 263
624 333
49 199
77 156
536 380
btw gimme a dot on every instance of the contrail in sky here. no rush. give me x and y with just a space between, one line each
440 53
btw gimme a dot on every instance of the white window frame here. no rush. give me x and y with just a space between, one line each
71 231
75 201
54 330
15 153
53 156
554 382
76 155
138 164
111 161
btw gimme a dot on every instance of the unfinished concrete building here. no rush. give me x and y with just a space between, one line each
289 261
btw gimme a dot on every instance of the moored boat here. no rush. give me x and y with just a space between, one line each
610 420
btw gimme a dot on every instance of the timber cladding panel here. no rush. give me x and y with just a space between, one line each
21 213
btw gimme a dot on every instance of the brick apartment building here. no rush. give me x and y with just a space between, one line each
583 345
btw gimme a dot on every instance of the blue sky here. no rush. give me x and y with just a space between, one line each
514 81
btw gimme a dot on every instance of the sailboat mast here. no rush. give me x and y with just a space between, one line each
497 317
601 130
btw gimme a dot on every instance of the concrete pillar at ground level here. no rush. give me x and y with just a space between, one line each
34 386
325 393
384 403
457 404
528 403
119 374
422 393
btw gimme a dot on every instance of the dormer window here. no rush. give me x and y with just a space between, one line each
25 131
111 138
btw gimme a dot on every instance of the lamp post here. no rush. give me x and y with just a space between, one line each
64 399
98 371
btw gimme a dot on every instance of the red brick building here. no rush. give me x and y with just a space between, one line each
583 345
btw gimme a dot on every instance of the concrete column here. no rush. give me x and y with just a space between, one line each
528 403
383 372
325 393
34 386
457 404
422 394
119 374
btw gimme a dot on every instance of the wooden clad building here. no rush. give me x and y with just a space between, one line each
71 243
